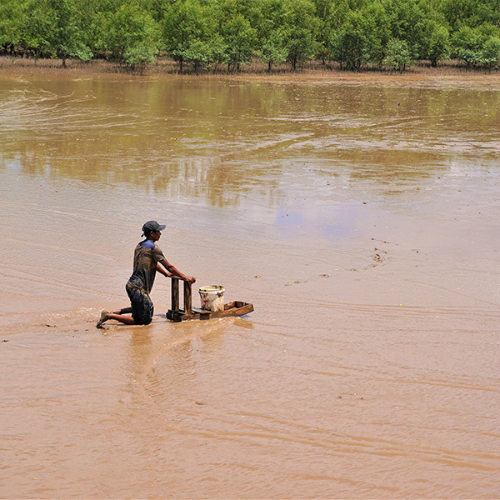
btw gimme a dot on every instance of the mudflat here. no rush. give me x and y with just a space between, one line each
358 214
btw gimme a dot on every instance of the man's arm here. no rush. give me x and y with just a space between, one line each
171 271
162 271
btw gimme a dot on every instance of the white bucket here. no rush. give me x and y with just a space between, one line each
212 298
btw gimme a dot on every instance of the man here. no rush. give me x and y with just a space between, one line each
148 259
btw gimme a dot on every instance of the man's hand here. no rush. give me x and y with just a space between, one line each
190 279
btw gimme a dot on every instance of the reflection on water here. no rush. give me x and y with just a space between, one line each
215 141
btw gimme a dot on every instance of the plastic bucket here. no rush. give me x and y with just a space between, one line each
212 298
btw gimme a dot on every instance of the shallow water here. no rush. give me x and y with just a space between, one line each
361 220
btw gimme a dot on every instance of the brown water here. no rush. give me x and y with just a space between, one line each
361 220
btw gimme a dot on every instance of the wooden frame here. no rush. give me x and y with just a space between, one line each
234 308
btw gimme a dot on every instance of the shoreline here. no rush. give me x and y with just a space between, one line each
314 71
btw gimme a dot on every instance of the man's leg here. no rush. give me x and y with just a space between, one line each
128 320
143 310
117 315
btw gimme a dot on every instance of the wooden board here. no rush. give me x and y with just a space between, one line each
235 308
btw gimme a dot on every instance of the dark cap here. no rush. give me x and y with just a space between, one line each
152 225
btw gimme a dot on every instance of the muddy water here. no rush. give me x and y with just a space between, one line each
360 218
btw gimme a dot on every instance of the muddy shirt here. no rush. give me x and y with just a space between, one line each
146 255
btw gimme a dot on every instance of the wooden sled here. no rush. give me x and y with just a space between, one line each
234 308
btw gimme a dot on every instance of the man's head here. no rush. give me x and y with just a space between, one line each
152 228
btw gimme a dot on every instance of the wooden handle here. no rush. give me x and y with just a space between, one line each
188 301
175 294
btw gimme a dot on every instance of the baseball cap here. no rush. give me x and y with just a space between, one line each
152 225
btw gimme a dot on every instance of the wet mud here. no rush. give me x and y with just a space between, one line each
360 218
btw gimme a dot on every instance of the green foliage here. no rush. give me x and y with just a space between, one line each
274 50
35 29
349 45
379 32
356 33
458 13
398 55
272 18
10 22
487 30
438 46
360 41
407 22
478 45
157 9
301 27
53 28
132 35
471 13
230 9
240 41
490 55
188 31
325 27
93 19
66 37
199 53
271 33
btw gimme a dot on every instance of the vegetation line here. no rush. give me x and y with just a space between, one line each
207 35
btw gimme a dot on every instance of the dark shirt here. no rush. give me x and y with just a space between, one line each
146 256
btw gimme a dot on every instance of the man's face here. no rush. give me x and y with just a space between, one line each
155 235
